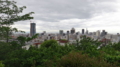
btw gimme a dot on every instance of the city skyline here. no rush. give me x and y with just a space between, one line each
52 15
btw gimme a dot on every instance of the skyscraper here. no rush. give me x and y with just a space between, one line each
32 29
68 35
103 33
83 31
72 30
67 32
86 31
98 33
61 32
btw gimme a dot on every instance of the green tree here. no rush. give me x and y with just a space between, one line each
10 13
51 52
4 50
1 65
31 38
49 43
77 59
116 46
21 40
111 53
88 45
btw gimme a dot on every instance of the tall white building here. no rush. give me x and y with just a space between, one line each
98 33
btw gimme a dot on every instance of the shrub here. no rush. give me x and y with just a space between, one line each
77 59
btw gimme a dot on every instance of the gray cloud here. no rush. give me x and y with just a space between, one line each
54 10
54 15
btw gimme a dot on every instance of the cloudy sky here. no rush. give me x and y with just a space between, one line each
55 15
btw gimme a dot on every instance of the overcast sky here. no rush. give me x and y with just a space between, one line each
55 15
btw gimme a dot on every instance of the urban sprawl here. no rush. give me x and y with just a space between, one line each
67 37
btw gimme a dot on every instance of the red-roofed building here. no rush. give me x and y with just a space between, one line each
105 41
63 42
37 44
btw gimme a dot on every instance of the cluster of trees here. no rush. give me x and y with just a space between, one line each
50 54
83 53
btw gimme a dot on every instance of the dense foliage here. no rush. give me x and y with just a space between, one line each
1 65
77 59
52 54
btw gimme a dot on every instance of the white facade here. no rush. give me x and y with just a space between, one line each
98 33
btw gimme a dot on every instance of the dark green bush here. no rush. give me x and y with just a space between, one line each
77 59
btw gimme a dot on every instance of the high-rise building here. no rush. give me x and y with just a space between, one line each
72 30
68 35
67 32
61 32
77 33
103 33
32 29
98 33
86 31
83 31
94 33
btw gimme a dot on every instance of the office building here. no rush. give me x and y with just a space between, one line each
67 32
32 29
77 33
98 33
72 31
103 33
68 35
61 32
86 31
94 33
83 31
